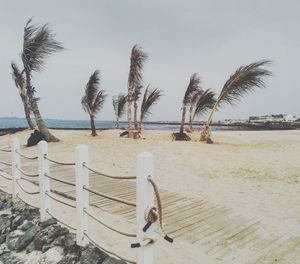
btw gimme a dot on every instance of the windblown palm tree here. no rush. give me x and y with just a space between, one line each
19 79
137 60
150 98
193 87
93 99
204 102
119 103
194 100
136 96
243 81
38 44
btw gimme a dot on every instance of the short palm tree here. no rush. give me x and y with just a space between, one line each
193 87
194 100
119 103
137 61
38 44
204 102
150 98
19 79
93 99
243 81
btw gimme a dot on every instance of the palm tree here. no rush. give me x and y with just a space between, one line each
38 44
194 99
19 79
150 98
243 81
93 99
137 60
119 103
193 87
205 102
136 96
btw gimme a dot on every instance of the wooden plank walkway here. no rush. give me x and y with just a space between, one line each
217 230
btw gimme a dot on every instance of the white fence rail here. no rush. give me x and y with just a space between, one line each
145 203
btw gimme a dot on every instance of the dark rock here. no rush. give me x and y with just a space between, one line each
30 247
69 259
124 134
35 138
209 141
51 256
49 222
17 221
46 248
26 225
57 231
12 238
2 238
181 137
24 240
92 255
113 261
4 224
67 241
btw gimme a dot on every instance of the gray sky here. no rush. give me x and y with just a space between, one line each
210 37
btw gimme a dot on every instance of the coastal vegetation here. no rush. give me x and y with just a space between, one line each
38 44
119 105
135 81
244 81
19 80
93 99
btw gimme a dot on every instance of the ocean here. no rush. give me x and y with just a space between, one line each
82 124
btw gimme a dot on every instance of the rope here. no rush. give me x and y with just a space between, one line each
59 180
25 191
109 176
60 221
106 250
7 178
24 179
109 197
58 162
159 209
33 206
60 201
5 163
26 174
5 150
5 191
109 227
26 157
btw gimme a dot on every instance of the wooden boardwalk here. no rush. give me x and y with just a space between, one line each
215 230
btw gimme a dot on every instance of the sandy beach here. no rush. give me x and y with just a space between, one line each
253 174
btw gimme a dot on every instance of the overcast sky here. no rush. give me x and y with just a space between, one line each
209 37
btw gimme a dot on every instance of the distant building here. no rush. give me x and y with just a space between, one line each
273 118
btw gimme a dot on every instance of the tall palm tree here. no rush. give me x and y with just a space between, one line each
150 98
38 44
136 96
245 79
205 102
19 79
137 60
93 99
119 103
193 87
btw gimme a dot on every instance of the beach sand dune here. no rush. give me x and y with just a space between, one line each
253 175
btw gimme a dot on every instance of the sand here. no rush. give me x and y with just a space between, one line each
255 174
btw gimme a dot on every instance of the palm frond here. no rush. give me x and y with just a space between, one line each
93 99
18 76
119 103
150 98
137 60
194 85
137 92
204 103
38 44
243 81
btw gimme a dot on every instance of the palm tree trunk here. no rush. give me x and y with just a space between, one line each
27 115
206 132
129 112
93 127
182 119
117 123
140 124
135 116
37 115
191 120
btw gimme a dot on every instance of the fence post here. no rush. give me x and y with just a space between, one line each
82 195
144 200
16 162
44 182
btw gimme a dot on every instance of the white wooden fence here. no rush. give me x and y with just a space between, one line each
144 195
